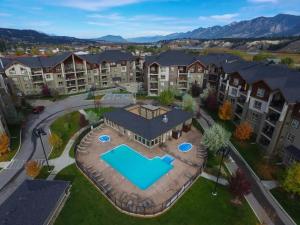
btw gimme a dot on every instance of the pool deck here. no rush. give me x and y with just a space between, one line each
166 186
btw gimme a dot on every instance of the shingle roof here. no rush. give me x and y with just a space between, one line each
294 151
32 202
148 128
51 61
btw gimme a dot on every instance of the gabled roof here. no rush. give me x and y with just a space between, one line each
32 202
148 128
51 61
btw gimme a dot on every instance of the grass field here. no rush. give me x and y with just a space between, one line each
86 205
291 205
67 125
44 172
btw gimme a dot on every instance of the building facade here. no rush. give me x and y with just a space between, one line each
70 73
267 97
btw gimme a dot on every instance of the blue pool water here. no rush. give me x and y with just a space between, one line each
168 159
138 169
185 147
104 138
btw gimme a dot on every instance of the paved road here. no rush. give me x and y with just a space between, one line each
11 177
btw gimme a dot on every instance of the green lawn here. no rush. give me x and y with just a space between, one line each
65 127
86 205
292 206
44 172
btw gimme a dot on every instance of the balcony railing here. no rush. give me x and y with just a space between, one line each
70 77
277 105
268 130
69 69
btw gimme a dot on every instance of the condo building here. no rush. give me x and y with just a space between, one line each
267 96
70 73
180 70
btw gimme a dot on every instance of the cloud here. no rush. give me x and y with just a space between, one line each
224 18
263 1
94 5
3 14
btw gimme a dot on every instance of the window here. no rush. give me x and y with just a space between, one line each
123 69
152 69
260 92
192 69
295 124
60 83
171 83
59 75
163 69
172 68
235 82
162 77
257 105
48 76
233 91
290 137
255 117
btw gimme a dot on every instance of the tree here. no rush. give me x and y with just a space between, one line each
291 182
92 117
195 90
212 102
239 185
55 141
287 61
243 131
225 111
215 138
32 168
46 91
4 144
188 103
261 56
82 121
166 97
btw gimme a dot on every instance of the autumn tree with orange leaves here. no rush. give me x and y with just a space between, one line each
32 168
225 111
4 144
243 131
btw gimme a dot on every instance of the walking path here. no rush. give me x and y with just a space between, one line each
264 205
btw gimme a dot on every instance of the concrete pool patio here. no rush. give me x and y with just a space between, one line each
122 192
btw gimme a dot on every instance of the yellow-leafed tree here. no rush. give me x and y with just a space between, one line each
225 111
4 143
243 131
32 168
55 141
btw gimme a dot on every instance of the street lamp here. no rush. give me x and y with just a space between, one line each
38 132
225 151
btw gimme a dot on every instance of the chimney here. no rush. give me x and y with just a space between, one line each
165 119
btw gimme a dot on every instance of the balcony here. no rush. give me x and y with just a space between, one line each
79 67
153 70
212 78
239 110
81 82
37 79
80 75
268 130
69 68
264 141
277 105
182 78
104 70
182 69
154 78
242 99
153 86
273 117
71 84
70 77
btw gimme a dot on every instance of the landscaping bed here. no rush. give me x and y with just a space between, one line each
291 205
86 205
14 131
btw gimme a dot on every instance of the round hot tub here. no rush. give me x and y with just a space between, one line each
104 138
185 147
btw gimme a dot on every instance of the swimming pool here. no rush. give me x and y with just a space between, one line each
138 169
104 138
185 147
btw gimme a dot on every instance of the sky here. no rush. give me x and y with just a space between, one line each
133 18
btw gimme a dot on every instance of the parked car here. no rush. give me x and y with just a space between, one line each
38 109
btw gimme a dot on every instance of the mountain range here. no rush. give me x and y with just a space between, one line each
281 25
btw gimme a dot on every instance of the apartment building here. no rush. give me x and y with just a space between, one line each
179 69
267 97
70 73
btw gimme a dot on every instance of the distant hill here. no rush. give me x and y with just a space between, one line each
111 38
35 37
282 25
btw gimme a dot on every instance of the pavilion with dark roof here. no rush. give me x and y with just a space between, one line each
149 125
